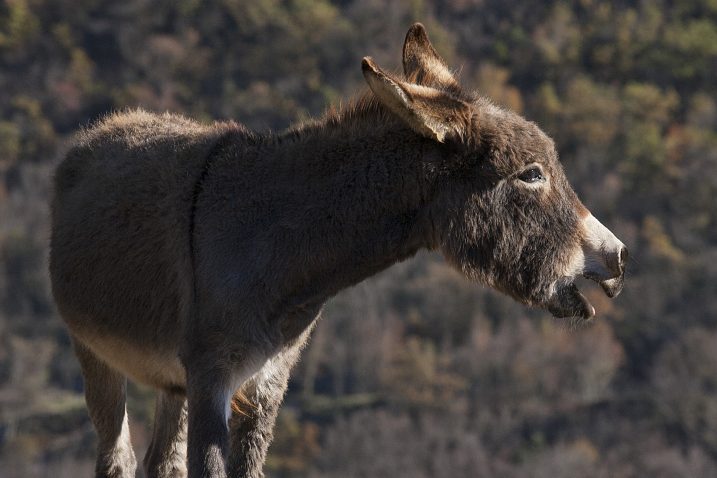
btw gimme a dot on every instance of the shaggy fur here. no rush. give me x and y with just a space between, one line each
196 258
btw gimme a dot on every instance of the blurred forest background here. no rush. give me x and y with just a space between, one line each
416 372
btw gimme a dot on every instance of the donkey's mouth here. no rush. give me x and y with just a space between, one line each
567 301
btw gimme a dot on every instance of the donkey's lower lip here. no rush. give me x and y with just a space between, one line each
567 301
613 287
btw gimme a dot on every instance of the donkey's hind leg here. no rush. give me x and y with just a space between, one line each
167 454
105 394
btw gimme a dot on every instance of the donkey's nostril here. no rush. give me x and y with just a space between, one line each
623 257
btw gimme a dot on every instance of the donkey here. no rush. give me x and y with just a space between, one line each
196 258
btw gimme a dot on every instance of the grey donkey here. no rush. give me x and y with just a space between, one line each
196 258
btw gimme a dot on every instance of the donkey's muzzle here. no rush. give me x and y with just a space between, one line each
605 257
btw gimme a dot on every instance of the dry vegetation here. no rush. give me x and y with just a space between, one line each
414 373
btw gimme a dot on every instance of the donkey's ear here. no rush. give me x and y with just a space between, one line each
428 111
423 65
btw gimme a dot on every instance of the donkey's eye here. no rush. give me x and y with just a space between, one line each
532 175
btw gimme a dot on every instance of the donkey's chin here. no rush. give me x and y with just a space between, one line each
567 301
612 287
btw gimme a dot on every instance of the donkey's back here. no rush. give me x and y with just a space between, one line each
120 260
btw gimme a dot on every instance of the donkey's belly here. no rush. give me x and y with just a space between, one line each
150 366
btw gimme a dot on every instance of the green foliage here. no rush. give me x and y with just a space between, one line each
9 142
18 26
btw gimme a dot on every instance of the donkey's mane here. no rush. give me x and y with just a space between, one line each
356 115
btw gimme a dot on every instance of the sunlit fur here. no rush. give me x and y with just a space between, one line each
517 238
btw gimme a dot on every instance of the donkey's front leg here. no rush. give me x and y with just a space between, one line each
209 393
217 363
253 416
208 436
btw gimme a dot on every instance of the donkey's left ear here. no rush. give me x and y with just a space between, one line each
428 111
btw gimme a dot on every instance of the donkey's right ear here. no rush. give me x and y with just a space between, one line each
423 65
428 111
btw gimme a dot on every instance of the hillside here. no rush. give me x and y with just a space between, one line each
416 372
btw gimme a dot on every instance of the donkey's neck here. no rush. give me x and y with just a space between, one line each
370 180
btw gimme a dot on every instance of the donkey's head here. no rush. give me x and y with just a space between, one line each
503 212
